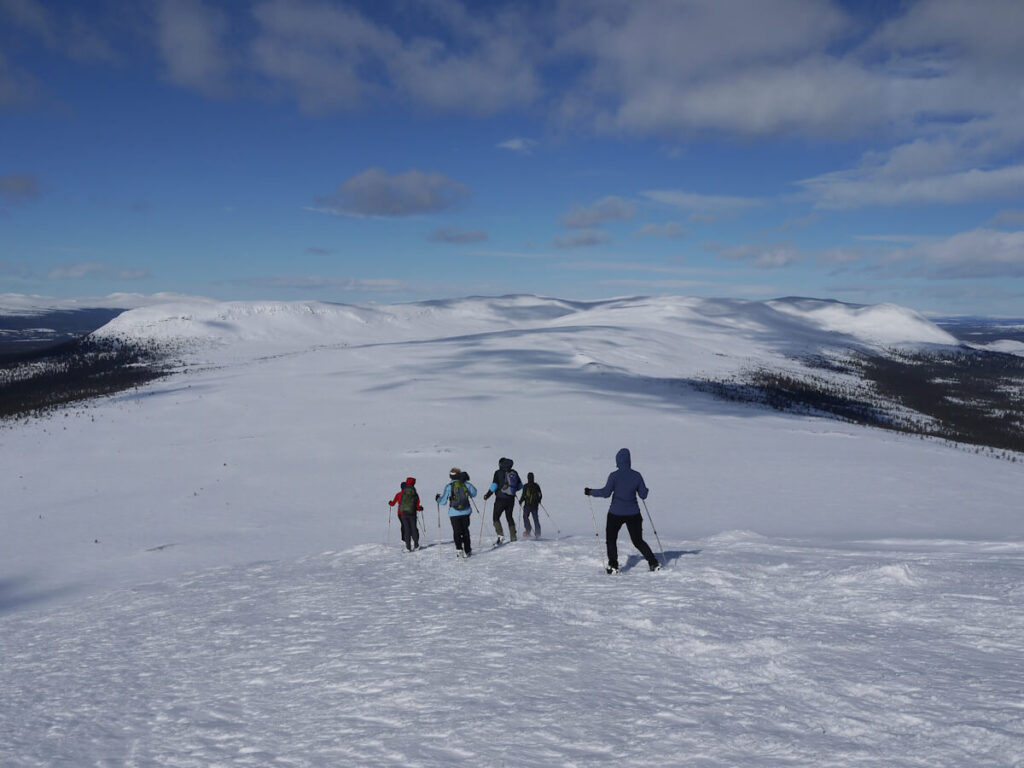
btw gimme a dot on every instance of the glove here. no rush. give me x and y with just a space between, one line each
437 497
391 503
586 491
487 495
419 508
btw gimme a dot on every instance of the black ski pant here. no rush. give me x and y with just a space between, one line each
505 505
529 512
410 530
460 532
635 525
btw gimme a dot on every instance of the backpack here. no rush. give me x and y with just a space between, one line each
531 495
510 483
407 504
459 496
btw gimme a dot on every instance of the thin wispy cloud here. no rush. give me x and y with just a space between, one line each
19 188
522 146
319 282
605 210
95 270
457 236
702 207
582 239
667 229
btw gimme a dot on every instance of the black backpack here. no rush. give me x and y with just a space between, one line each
531 494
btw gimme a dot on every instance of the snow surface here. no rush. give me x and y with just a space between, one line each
203 572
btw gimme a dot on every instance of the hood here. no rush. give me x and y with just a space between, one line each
505 464
622 460
529 477
409 482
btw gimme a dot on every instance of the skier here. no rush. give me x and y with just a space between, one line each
457 495
529 500
504 486
624 485
408 501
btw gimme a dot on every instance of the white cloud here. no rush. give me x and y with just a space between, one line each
319 282
701 207
520 145
457 236
1008 218
93 269
882 186
587 238
668 229
603 211
374 193
334 57
18 188
979 253
191 40
770 256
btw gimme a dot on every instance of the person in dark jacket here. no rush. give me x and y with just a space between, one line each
504 487
529 500
624 485
408 501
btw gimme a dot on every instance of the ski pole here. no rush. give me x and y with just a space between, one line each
440 546
387 539
656 536
596 533
480 537
553 519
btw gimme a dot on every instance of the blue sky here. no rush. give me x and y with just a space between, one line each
398 151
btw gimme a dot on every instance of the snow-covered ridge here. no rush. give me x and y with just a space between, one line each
802 321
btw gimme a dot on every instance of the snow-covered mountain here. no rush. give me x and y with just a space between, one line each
203 571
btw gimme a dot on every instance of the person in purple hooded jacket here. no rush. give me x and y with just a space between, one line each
624 485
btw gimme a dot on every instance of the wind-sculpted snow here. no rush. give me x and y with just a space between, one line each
744 651
163 602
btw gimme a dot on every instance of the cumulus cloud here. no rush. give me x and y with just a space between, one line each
190 36
19 188
457 236
374 193
334 57
606 210
93 269
587 238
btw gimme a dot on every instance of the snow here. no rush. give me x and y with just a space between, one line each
201 572
1006 346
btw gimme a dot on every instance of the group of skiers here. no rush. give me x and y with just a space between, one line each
624 485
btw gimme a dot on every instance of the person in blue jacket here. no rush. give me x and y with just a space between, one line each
457 495
624 485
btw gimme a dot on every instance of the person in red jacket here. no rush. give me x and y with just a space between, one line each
408 501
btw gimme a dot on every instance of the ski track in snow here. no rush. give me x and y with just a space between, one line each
743 651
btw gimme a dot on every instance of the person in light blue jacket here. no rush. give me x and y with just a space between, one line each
624 485
457 495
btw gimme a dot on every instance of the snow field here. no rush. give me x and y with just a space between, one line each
743 651
163 602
